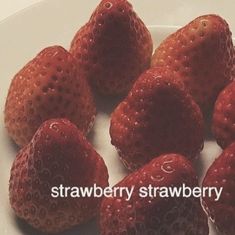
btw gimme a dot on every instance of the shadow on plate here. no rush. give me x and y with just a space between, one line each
199 167
13 146
107 104
208 124
206 157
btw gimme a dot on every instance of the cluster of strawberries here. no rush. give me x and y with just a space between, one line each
158 128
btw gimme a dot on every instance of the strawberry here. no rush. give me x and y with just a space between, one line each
155 215
221 174
57 154
113 48
47 87
158 116
201 54
224 117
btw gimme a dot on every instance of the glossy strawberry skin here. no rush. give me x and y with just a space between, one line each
58 154
158 216
201 54
158 116
48 87
224 117
222 174
113 48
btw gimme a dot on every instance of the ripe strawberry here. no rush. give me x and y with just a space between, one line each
224 117
57 154
201 54
155 215
158 116
47 87
113 48
222 174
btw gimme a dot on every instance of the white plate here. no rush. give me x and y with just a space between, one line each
22 37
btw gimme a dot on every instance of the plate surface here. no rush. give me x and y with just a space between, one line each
22 37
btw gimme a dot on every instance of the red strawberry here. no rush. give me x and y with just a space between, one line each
113 48
223 125
158 116
57 154
155 215
201 54
47 87
222 174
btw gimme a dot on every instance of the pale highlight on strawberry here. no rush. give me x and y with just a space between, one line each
113 48
155 215
201 55
48 87
57 154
